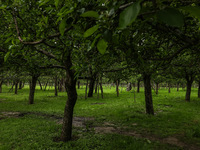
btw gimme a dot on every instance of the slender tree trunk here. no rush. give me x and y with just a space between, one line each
188 90
157 86
148 94
32 89
78 84
45 86
11 89
96 86
1 82
56 86
70 85
20 84
117 87
91 87
101 87
199 90
40 84
177 87
169 88
138 86
16 87
86 87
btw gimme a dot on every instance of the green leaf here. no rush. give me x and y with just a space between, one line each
62 27
56 3
94 41
93 14
192 10
171 16
9 39
90 31
102 46
6 56
128 15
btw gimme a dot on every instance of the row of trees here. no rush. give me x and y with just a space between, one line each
90 39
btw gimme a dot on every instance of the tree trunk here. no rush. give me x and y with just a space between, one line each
96 86
117 87
199 90
20 84
40 84
32 89
70 85
91 87
56 86
177 87
169 88
157 86
101 87
1 82
188 90
16 87
138 86
148 94
78 84
45 86
86 89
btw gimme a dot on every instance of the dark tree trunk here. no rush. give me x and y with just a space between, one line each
148 94
177 87
45 86
96 86
61 89
189 87
199 90
138 86
117 87
91 87
169 88
32 89
20 84
40 84
157 87
16 87
86 87
1 82
78 84
56 86
70 85
11 89
101 87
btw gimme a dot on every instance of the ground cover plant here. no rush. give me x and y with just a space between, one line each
109 123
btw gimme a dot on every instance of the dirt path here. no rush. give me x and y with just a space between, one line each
106 127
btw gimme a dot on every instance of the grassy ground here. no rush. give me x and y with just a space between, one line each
175 120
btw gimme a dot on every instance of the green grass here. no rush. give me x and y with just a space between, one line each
173 118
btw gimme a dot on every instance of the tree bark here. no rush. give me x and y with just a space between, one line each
169 88
32 88
40 84
138 86
70 85
91 86
78 84
189 87
117 87
101 87
157 86
16 86
20 84
177 87
1 82
86 89
56 86
148 94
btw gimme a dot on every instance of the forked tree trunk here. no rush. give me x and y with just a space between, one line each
20 84
189 87
148 94
199 90
32 89
70 84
